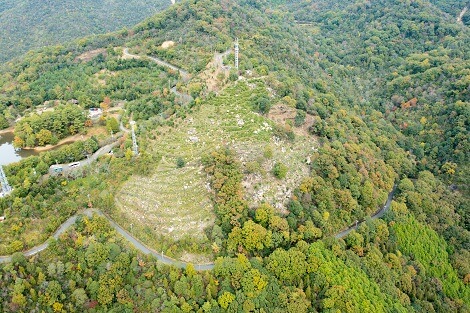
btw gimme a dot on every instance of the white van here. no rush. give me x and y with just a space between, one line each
74 164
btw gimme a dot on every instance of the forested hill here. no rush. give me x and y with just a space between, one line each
409 60
454 8
30 24
338 104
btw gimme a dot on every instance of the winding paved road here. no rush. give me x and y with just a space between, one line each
184 74
160 256
101 151
377 214
134 241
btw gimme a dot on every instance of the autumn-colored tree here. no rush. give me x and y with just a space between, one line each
44 137
288 266
18 142
105 104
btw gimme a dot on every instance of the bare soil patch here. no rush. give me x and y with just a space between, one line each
102 75
168 44
89 55
7 130
283 114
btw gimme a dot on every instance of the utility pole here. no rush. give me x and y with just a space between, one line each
6 188
236 53
135 148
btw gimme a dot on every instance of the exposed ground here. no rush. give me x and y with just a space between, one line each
89 55
216 73
172 202
284 114
168 44
103 75
7 130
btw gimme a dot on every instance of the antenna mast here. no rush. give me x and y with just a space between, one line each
237 49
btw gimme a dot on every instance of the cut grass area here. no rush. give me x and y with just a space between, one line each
170 202
176 202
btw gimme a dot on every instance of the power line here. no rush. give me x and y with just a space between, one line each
6 188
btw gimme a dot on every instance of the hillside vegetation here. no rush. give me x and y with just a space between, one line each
338 102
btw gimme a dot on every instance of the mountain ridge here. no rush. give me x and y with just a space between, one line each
223 149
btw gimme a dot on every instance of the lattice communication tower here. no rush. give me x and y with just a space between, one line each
135 148
6 188
237 50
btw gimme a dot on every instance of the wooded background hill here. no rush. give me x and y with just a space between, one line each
29 24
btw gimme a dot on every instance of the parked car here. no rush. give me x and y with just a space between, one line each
74 164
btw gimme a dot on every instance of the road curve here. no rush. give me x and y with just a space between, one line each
377 214
85 162
183 73
134 241
160 256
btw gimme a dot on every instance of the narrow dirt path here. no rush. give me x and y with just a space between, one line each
459 18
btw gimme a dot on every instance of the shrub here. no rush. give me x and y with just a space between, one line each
268 152
299 118
253 167
261 104
233 76
180 162
280 170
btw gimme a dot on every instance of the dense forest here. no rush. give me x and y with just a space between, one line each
415 74
382 88
29 24
49 127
